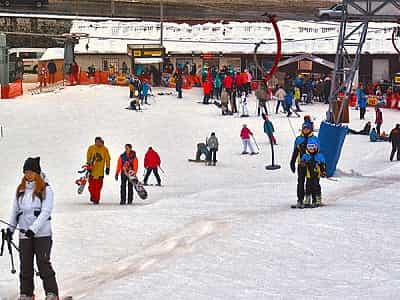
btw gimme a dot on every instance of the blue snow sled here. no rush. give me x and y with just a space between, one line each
331 137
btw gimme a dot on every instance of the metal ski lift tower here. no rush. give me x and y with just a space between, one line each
347 59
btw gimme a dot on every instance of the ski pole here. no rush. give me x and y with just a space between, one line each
255 142
161 169
15 227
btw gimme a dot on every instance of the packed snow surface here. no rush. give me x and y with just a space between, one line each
224 232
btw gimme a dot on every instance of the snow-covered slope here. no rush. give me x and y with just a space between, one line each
210 233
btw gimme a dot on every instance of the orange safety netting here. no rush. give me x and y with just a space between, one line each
11 90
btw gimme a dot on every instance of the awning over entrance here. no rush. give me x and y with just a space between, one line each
310 57
149 60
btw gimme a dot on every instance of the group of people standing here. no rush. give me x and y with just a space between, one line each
98 158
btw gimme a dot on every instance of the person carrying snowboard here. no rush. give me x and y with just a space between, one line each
126 162
315 165
97 158
245 135
269 129
152 162
31 212
212 144
299 150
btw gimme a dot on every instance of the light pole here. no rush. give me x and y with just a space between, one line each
161 23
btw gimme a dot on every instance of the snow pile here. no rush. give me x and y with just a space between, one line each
223 232
234 37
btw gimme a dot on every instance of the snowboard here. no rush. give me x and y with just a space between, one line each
82 181
139 187
295 206
198 160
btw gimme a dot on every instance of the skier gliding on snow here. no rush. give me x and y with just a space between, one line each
97 158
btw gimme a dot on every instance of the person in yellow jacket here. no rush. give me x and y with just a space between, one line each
98 158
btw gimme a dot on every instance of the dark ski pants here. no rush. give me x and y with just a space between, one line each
179 90
297 103
206 98
395 148
41 248
278 103
124 182
301 178
262 106
148 172
378 129
212 157
362 113
95 186
313 188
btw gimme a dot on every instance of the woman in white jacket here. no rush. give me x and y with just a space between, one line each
31 214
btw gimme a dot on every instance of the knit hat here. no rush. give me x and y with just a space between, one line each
307 125
32 164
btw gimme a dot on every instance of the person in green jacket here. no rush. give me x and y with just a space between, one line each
269 129
217 86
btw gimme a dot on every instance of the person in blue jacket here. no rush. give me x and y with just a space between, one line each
269 129
361 101
373 135
315 165
300 146
146 89
289 103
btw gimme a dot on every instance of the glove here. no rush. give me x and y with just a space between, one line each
116 177
293 166
9 234
107 171
29 234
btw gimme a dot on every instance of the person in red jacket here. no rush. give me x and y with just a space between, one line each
239 83
207 91
152 162
245 135
378 120
228 84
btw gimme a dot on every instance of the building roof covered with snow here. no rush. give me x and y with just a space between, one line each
234 37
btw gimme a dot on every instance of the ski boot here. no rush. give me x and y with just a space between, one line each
51 296
307 201
318 201
299 204
25 297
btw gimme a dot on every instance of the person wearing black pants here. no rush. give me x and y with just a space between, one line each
394 137
31 213
152 162
212 144
127 163
300 145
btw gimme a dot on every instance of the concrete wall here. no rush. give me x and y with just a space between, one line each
31 25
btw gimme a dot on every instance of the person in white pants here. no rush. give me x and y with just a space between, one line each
245 135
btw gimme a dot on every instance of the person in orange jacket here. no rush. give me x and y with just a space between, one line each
127 162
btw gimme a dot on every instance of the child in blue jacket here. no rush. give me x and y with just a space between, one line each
315 164
146 90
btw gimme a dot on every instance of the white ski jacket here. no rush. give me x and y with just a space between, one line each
32 213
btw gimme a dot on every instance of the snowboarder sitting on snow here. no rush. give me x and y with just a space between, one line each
243 105
152 162
300 146
212 143
127 162
245 135
146 90
315 166
365 131
31 212
374 137
269 129
202 149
